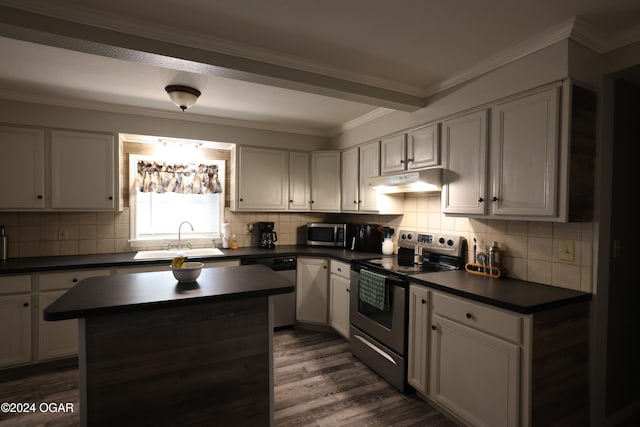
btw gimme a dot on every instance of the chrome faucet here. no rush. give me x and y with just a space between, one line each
180 232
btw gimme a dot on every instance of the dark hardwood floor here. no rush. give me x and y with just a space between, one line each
317 383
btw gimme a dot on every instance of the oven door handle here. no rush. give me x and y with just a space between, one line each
375 348
393 281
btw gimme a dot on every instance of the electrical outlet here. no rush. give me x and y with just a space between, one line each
567 250
63 234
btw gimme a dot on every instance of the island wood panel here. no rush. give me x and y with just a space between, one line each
560 367
198 364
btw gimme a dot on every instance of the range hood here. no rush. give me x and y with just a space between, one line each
425 180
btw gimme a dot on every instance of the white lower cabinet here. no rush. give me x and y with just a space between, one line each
15 320
59 338
339 291
312 276
419 321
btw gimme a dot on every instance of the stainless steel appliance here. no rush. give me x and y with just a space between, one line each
284 306
380 297
328 234
267 238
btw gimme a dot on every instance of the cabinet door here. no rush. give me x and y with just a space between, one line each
59 338
369 167
325 181
262 179
524 155
393 154
418 337
311 290
339 306
15 329
299 182
83 171
464 162
473 374
423 147
22 171
350 195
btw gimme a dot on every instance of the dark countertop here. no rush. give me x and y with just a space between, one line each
511 294
137 291
53 263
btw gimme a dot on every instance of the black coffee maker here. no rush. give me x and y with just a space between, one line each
266 236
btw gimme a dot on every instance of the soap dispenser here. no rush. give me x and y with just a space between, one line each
387 246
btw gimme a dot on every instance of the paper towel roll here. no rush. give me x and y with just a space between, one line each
226 234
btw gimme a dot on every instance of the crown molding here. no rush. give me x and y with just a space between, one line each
359 121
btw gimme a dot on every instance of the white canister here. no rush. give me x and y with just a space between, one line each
387 246
226 234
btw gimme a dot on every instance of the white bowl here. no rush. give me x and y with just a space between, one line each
189 271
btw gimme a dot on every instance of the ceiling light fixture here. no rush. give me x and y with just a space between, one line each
183 96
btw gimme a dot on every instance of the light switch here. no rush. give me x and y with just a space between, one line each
567 250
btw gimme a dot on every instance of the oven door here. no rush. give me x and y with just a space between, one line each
386 326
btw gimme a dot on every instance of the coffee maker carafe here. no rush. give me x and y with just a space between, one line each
266 236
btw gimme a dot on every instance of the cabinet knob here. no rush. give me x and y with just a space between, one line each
311 201
401 162
290 201
324 266
26 304
434 327
494 199
469 316
339 269
348 290
39 196
74 280
480 200
409 160
241 199
423 301
355 202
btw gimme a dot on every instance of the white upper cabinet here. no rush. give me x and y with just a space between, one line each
22 171
464 162
262 179
80 172
83 171
369 167
516 174
417 149
358 165
299 181
423 147
325 181
394 154
524 155
350 180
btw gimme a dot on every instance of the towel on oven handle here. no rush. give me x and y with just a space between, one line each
373 289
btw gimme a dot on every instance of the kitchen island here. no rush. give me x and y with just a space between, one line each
157 352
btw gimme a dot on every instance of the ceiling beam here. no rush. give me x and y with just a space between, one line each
37 28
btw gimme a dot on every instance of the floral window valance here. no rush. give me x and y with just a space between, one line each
155 177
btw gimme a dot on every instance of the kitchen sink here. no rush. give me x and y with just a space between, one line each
170 253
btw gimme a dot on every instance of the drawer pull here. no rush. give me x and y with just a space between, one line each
423 301
74 280
26 304
434 327
469 316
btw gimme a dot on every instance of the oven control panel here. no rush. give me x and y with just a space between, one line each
448 244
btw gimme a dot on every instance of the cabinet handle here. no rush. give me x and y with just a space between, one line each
26 304
480 200
494 199
469 316
423 301
434 328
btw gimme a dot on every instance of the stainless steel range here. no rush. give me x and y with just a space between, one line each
380 297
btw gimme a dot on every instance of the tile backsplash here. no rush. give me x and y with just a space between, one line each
531 250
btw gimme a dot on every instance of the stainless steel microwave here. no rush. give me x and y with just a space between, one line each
325 234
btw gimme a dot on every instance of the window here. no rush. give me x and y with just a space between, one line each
164 193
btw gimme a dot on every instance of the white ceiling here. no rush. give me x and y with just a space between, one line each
313 67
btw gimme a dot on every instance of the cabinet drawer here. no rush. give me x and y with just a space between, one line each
481 317
15 284
340 268
68 279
